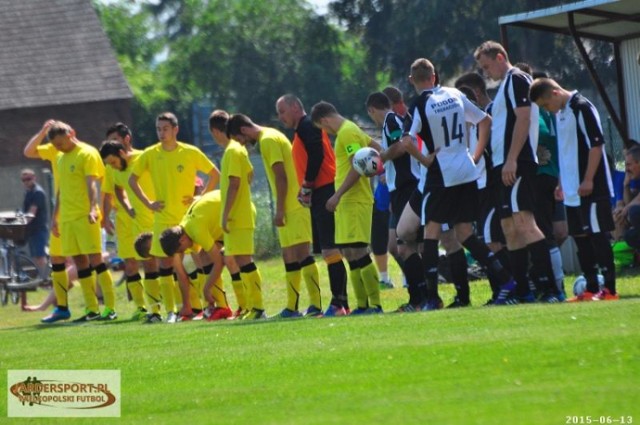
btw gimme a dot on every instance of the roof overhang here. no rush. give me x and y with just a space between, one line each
606 20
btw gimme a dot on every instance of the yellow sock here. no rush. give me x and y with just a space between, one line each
153 293
136 289
371 283
195 292
358 288
253 285
88 285
239 291
218 294
293 278
60 281
311 278
105 280
167 287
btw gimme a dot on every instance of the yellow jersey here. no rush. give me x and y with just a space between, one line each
349 139
202 220
117 178
173 175
73 169
48 152
274 148
235 163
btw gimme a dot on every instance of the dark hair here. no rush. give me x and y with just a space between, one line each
394 94
490 49
321 110
110 147
539 74
170 240
291 99
58 128
634 152
525 67
472 80
142 244
120 128
469 93
218 120
540 87
168 116
378 100
235 124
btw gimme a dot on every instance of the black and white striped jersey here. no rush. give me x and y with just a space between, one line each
405 169
439 118
579 130
513 93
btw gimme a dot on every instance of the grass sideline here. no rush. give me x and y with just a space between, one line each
535 364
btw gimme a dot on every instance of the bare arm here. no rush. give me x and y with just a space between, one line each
94 198
216 258
135 186
484 130
348 183
214 179
518 139
595 157
31 150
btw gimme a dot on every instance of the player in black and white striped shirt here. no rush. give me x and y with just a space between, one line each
514 138
586 182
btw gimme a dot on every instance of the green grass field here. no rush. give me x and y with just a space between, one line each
535 364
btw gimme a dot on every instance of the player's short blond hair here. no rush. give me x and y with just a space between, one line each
422 70
490 49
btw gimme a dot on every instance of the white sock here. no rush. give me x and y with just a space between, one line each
556 264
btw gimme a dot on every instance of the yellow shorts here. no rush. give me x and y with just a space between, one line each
239 242
127 231
297 228
55 245
353 222
80 237
156 248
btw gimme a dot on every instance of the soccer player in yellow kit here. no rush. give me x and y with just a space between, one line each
132 219
77 217
292 219
238 219
352 203
200 226
35 149
173 166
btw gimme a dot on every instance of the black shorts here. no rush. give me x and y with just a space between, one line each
520 196
590 217
399 199
379 231
488 228
453 205
545 205
322 221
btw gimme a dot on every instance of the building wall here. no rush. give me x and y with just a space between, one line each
631 71
17 126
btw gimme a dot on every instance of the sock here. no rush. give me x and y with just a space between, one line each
337 280
587 260
358 285
604 256
556 264
219 295
293 277
503 256
195 291
414 272
238 290
134 285
152 292
60 280
311 277
370 280
253 283
519 260
88 285
430 267
541 260
167 287
460 275
105 280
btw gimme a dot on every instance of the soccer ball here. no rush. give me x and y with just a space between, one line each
367 162
580 284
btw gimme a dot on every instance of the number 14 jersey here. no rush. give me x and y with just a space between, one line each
440 117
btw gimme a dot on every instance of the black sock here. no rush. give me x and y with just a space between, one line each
604 255
587 260
503 257
415 279
459 274
338 283
486 258
430 266
541 260
519 259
